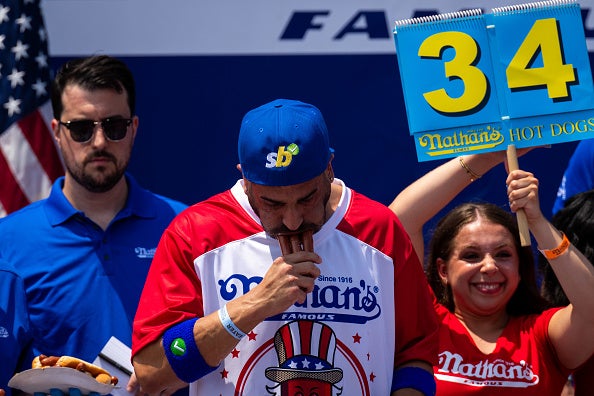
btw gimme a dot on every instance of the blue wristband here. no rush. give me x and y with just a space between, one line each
182 353
414 378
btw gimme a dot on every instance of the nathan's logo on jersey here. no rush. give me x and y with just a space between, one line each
334 302
282 157
144 252
497 373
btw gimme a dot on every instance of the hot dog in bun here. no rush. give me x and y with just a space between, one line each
100 374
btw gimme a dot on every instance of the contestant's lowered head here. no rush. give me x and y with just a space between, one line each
285 158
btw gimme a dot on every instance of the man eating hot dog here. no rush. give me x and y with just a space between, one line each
286 282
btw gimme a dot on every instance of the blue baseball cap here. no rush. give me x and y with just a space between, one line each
282 143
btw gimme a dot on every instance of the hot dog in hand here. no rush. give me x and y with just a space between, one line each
291 242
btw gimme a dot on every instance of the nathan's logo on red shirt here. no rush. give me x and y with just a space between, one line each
496 373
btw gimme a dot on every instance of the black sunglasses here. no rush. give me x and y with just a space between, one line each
114 129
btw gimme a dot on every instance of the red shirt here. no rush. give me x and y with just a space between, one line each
523 362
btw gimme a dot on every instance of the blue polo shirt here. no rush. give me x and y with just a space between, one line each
14 324
579 174
82 284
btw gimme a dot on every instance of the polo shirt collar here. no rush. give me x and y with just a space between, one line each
59 209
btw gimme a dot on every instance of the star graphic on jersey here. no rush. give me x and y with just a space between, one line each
356 338
371 376
224 373
235 353
305 363
252 336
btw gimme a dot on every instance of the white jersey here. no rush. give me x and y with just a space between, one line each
343 335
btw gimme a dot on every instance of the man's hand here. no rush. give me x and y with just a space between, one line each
288 280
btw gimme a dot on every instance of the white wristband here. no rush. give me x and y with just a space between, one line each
229 325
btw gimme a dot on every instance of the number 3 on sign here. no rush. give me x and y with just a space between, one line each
461 66
542 40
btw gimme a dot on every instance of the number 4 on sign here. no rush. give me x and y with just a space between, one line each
542 38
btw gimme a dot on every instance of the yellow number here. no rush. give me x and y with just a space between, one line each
543 37
461 66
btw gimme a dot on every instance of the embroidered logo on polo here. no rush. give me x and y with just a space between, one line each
282 157
497 373
141 252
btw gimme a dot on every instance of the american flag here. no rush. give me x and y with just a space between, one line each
29 160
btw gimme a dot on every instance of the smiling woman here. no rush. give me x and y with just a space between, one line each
497 332
477 244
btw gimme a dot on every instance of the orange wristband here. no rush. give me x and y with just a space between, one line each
558 251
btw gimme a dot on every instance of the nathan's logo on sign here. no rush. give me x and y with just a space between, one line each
448 142
282 157
438 144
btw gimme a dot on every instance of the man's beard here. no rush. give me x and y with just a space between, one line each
100 184
282 229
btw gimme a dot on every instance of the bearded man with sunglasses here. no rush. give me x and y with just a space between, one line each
84 252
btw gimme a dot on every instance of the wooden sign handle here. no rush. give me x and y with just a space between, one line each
512 163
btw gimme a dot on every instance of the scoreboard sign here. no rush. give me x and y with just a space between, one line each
474 82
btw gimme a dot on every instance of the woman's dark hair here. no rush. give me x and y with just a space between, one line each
94 72
576 220
526 299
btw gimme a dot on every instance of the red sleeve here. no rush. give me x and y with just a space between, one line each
417 328
172 291
541 335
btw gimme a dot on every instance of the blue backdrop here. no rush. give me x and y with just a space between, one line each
190 117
